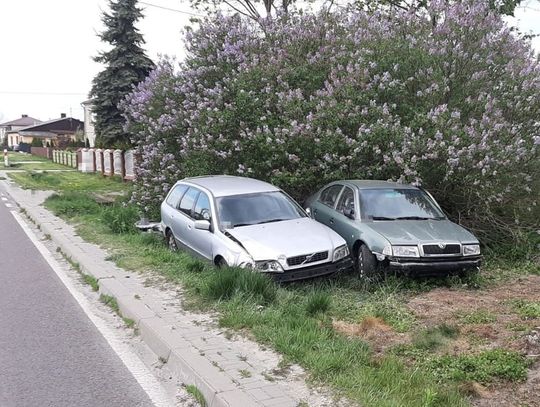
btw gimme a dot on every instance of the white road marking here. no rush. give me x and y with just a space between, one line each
140 372
9 205
4 198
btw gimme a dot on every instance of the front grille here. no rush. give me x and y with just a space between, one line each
307 258
435 249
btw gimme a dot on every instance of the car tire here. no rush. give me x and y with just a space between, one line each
366 263
221 263
171 241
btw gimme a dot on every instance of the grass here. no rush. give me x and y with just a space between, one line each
196 394
296 319
68 181
435 337
484 367
38 166
479 316
16 157
110 302
91 281
526 309
318 302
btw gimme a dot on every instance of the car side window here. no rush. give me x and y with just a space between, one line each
174 197
188 201
330 194
202 208
346 200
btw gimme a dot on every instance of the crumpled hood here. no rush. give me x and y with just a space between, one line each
415 231
280 240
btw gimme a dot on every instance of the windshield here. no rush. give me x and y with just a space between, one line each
253 209
392 204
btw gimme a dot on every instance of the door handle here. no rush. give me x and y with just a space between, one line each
332 221
314 211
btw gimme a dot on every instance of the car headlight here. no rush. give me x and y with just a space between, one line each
243 260
269 266
405 251
341 252
471 249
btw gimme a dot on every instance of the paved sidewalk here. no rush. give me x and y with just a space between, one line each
228 371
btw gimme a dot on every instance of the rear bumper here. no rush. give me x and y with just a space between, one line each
313 271
435 266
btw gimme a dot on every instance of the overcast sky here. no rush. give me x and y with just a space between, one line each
46 49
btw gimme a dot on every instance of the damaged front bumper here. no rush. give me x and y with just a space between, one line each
313 271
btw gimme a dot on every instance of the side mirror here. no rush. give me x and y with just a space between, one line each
308 211
348 212
202 225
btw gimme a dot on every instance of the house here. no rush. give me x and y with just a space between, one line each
89 133
11 129
56 133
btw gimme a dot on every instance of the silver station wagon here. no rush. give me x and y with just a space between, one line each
394 226
238 221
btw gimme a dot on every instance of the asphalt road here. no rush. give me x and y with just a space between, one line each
50 352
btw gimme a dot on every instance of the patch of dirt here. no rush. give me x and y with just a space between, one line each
376 331
508 330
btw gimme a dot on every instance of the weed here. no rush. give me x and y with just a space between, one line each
162 360
114 257
129 322
91 281
390 308
195 266
197 394
268 377
228 282
70 204
244 374
432 338
110 302
517 327
137 296
484 367
120 218
318 302
479 316
47 236
526 309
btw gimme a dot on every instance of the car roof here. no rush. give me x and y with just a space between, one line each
226 185
375 184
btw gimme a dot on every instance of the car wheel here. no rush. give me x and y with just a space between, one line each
171 241
221 263
366 263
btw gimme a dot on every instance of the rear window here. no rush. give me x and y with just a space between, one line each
176 194
188 201
330 194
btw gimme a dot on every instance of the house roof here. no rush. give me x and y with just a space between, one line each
64 125
22 121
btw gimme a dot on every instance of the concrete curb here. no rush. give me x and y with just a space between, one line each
170 346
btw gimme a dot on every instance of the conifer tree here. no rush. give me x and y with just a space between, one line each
125 65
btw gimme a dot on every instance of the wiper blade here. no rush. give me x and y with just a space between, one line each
270 221
414 218
241 224
382 218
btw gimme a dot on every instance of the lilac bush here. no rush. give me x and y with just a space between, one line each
448 100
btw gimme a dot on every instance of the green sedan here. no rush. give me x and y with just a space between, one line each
391 226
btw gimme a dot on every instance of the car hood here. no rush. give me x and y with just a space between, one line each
421 231
289 238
